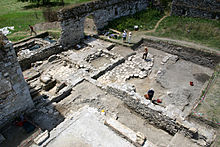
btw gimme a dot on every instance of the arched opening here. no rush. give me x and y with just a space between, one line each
90 28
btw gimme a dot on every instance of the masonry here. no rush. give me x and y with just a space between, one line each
198 8
72 19
14 93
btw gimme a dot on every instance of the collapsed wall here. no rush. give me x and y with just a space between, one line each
14 92
72 19
196 8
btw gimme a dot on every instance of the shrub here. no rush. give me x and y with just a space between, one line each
50 15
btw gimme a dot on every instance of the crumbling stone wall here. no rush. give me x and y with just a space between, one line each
196 8
163 118
72 19
14 92
38 55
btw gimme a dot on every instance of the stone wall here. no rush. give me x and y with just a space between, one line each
167 118
72 19
38 55
196 8
202 57
14 92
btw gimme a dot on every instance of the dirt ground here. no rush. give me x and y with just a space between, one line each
61 84
88 94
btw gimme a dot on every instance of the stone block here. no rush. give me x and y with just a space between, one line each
5 86
125 131
45 78
62 94
52 58
60 86
140 138
41 138
49 85
2 138
193 130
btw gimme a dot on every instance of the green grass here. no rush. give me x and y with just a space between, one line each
146 20
202 31
13 13
210 107
21 20
55 34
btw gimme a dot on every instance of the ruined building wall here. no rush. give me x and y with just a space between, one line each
14 92
72 19
196 8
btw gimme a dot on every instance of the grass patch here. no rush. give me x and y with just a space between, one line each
17 38
210 107
202 31
55 34
20 15
146 20
21 20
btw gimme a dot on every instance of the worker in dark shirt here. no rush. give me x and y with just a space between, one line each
32 30
145 53
149 94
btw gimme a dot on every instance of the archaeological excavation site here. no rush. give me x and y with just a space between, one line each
88 91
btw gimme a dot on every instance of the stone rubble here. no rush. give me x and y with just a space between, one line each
54 83
134 67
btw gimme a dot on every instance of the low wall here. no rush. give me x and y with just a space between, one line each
201 57
157 115
196 8
38 55
72 19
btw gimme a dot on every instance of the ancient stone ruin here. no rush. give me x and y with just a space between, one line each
196 8
92 94
15 95
73 19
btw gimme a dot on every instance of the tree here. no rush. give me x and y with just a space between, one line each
43 2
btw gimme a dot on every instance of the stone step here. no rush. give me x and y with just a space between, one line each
137 138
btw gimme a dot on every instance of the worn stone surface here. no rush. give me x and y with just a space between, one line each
73 128
15 95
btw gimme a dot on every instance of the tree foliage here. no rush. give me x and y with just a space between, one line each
42 2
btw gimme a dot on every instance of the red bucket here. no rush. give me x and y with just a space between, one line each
159 101
191 83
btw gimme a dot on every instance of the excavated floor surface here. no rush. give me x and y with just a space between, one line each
65 82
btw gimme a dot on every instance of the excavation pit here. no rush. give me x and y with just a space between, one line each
114 83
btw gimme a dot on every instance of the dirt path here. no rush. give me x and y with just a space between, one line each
138 35
158 23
